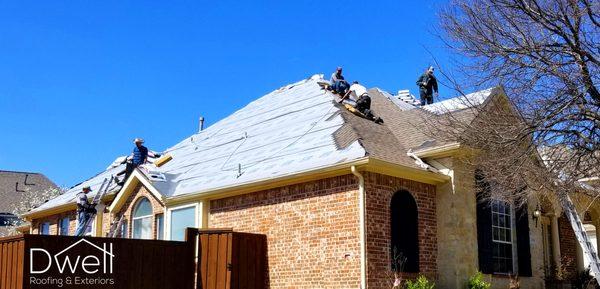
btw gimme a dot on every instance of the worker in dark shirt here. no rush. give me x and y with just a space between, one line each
139 156
85 210
338 84
427 86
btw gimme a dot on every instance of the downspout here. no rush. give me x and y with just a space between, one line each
362 217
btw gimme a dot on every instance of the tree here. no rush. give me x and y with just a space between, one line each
545 54
31 199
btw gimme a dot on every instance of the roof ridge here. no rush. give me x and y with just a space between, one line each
21 172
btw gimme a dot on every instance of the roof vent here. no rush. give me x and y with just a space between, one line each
201 124
407 97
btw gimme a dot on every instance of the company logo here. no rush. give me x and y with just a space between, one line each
70 266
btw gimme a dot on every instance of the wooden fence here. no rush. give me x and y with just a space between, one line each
230 260
94 263
208 259
12 262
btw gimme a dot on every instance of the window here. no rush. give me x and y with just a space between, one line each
180 220
123 229
502 237
63 226
142 220
45 228
8 219
160 227
404 232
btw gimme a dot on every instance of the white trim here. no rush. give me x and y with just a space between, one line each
150 216
169 211
127 189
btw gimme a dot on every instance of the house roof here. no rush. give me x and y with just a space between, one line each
13 185
296 128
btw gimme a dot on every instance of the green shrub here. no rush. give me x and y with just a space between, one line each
476 282
421 283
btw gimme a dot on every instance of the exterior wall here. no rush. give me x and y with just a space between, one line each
457 234
53 220
379 191
568 248
127 209
138 193
457 228
312 231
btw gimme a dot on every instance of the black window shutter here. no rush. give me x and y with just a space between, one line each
484 234
523 246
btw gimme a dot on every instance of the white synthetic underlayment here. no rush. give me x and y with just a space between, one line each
287 131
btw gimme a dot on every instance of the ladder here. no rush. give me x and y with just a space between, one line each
96 200
115 227
582 237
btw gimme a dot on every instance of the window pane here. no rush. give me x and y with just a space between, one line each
123 233
142 228
64 226
181 219
160 227
45 229
143 208
502 253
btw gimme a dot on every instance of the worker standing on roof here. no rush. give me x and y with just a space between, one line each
427 86
338 84
84 210
139 156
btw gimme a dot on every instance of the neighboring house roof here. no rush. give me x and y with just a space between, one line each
14 184
294 129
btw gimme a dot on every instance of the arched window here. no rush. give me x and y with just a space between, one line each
142 220
404 232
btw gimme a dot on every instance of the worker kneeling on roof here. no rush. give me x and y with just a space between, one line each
85 210
338 84
358 97
138 157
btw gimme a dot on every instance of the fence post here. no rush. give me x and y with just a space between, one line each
191 238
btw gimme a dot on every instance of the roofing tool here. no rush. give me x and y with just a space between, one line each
163 160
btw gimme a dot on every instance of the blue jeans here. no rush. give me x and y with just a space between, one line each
82 218
340 86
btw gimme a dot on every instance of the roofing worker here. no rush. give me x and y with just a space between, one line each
360 99
139 156
338 84
85 210
427 86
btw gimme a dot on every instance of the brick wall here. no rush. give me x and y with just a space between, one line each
127 209
53 220
379 191
568 248
312 231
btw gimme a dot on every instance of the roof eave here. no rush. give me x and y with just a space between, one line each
50 211
366 164
439 151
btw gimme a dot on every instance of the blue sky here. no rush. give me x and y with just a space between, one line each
80 79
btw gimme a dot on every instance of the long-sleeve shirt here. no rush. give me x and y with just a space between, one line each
428 83
335 77
82 202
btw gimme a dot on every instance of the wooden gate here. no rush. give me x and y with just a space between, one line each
230 260
11 262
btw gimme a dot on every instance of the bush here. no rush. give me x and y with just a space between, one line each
476 282
421 283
